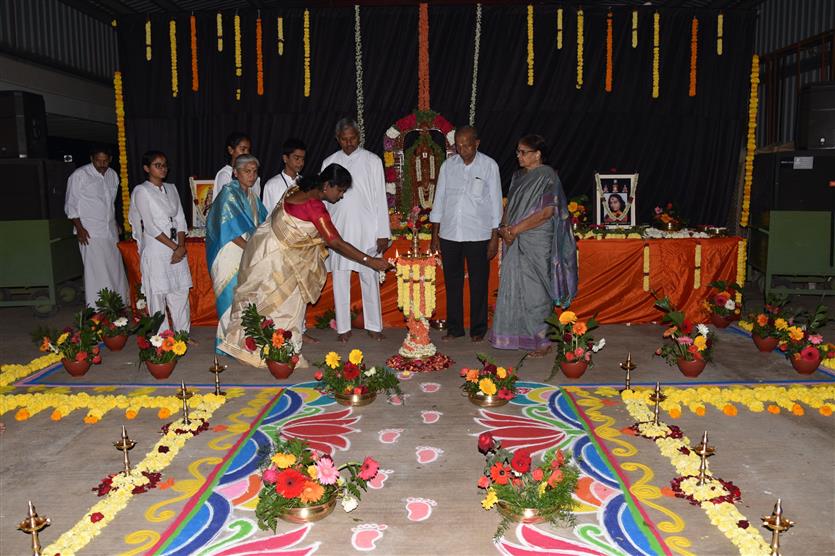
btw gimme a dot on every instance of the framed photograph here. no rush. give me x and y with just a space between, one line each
615 196
201 193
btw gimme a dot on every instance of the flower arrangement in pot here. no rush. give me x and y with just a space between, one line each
353 383
667 218
578 208
491 385
573 342
300 485
764 331
721 303
690 345
273 344
160 350
800 341
524 490
77 345
116 322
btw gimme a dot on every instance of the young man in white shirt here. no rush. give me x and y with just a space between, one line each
465 217
89 204
292 153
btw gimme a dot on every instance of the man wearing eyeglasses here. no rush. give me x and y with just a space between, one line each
465 219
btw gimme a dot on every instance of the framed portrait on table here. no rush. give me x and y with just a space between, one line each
615 196
201 193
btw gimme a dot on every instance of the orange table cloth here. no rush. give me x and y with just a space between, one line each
613 281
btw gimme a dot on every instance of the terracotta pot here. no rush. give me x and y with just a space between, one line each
805 367
765 344
307 514
355 400
525 515
719 321
76 368
483 400
574 369
161 371
279 370
115 343
691 369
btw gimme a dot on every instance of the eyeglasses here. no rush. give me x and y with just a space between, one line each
520 152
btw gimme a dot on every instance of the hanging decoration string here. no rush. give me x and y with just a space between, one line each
238 63
172 38
423 57
609 32
476 50
358 73
720 33
259 57
195 81
530 45
634 28
559 28
694 52
656 52
580 42
148 39
307 53
280 34
751 143
219 32
122 143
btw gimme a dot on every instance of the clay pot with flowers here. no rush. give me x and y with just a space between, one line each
274 345
573 342
801 342
721 303
690 346
160 350
763 323
77 345
116 322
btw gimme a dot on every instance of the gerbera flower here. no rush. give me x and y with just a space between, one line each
311 492
472 375
487 386
368 469
809 353
278 340
326 471
332 359
500 473
355 356
580 328
290 483
568 317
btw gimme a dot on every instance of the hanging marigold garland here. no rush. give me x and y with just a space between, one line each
219 32
634 28
694 52
476 50
608 85
259 57
307 53
720 33
280 34
238 60
172 38
121 141
423 57
195 81
580 42
530 45
148 39
656 52
559 28
751 144
358 74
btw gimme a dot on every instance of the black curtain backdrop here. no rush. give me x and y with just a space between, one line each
685 149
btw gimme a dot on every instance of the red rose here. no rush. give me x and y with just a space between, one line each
167 334
483 482
351 371
556 477
538 474
81 356
96 359
406 122
391 174
266 323
96 517
485 442
490 368
559 459
569 356
250 343
521 461
142 342
318 375
287 335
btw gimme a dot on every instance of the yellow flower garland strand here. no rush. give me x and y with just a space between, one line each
720 29
753 398
238 56
148 40
646 267
634 28
307 53
656 53
195 78
280 34
122 142
751 144
697 275
530 45
741 265
172 38
219 32
13 372
559 28
580 42
694 52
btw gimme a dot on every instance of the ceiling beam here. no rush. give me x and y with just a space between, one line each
92 11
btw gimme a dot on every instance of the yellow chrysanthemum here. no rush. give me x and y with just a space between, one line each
781 324
795 333
487 386
568 317
501 372
700 342
489 500
355 356
311 471
179 348
572 206
63 338
332 359
542 486
283 461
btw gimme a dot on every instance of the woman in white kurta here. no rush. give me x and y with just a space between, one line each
159 227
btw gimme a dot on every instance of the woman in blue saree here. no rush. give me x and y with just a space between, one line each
232 219
539 263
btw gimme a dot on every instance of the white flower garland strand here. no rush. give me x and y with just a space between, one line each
476 50
358 63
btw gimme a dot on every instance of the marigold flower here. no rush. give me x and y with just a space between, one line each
797 409
762 320
168 344
21 415
580 328
700 411
729 410
131 414
795 333
489 500
63 338
700 342
773 409
568 317
164 413
355 356
487 386
781 324
501 372
675 413
472 375
332 359
56 415
825 410
283 461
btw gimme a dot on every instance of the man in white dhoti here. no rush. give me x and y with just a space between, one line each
361 218
237 144
89 204
159 227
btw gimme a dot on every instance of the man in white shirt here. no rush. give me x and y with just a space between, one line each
292 153
237 143
465 217
361 218
89 204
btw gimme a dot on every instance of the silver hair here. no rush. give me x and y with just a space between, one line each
245 159
346 123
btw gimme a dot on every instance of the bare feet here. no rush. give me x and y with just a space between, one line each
542 352
344 337
449 338
308 339
376 335
477 339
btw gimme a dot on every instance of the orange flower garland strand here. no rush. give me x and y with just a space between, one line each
751 144
259 57
720 33
634 28
238 57
307 53
559 28
172 37
580 42
121 140
656 53
219 32
608 85
530 45
148 40
195 81
423 57
694 52
280 36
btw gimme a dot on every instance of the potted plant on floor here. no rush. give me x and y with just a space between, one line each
273 344
690 345
491 385
160 350
117 323
573 342
764 332
299 485
526 491
721 303
352 382
77 345
802 343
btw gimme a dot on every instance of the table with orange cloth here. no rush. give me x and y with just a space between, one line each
613 281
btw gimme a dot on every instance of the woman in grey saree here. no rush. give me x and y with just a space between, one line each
539 264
